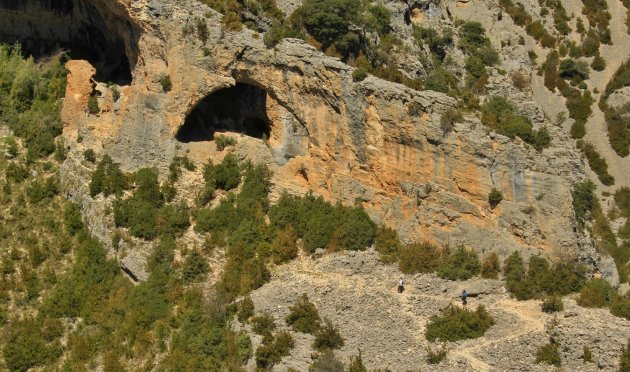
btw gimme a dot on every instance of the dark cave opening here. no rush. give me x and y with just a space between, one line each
241 108
78 27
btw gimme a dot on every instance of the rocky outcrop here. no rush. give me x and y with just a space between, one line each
374 141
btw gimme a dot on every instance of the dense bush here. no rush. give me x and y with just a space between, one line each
598 164
552 304
195 267
495 197
245 309
540 278
596 293
491 267
548 354
284 246
322 225
359 74
461 264
225 175
27 348
30 99
107 178
224 141
165 82
459 324
618 130
436 356
583 201
387 244
89 156
326 362
271 353
327 337
422 257
500 115
303 316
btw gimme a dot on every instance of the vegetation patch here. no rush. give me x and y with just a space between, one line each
459 324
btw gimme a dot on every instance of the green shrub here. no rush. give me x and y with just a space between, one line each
224 141
92 105
303 316
271 353
552 304
41 190
16 172
387 244
598 164
195 268
491 267
449 118
436 356
284 246
599 63
326 362
359 74
327 337
89 156
165 82
72 218
583 201
226 175
26 348
458 324
494 197
500 115
107 178
587 355
620 306
356 230
245 309
422 257
514 270
263 324
596 293
548 354
460 265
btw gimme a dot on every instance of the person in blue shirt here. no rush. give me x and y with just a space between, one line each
464 296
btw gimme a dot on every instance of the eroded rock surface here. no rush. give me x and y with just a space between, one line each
374 141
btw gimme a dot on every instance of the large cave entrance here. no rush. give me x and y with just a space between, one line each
90 30
241 108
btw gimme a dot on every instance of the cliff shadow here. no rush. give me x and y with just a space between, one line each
105 36
241 108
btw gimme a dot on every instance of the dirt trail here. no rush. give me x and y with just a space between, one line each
530 322
596 128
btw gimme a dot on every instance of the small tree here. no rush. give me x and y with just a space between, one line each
459 324
596 293
92 105
165 82
552 304
491 267
327 337
460 265
245 309
303 316
495 197
548 354
284 247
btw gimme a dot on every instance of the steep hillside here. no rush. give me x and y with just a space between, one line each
191 168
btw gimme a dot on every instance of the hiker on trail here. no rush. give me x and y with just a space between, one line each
401 285
464 296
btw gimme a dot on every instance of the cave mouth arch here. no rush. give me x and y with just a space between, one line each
103 35
240 108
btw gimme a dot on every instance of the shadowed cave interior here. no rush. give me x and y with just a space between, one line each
78 27
240 108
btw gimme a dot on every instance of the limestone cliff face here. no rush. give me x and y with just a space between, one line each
376 141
